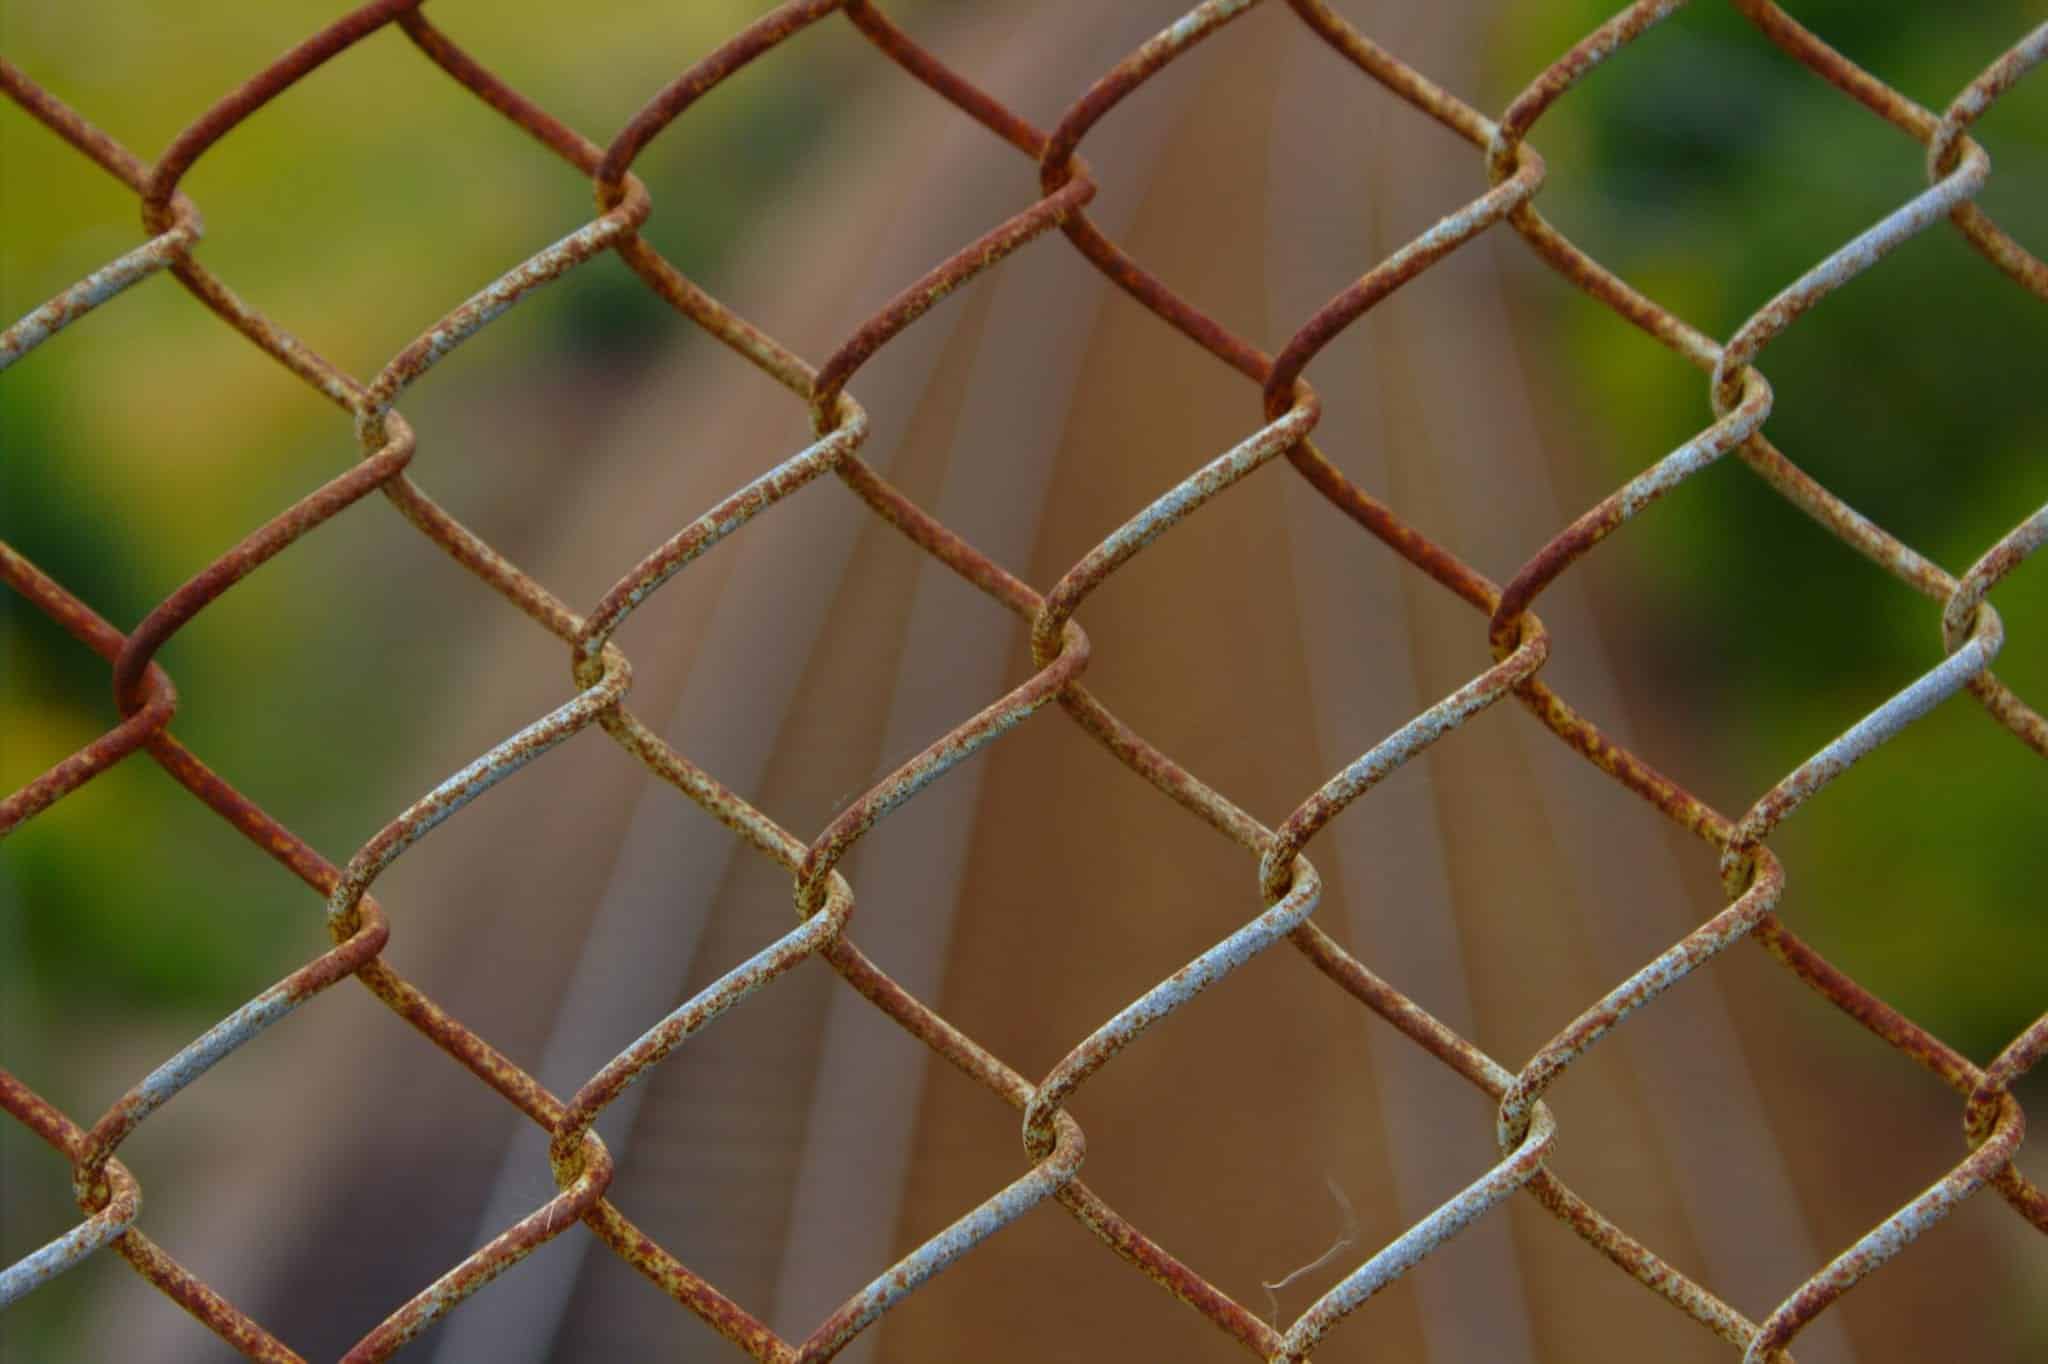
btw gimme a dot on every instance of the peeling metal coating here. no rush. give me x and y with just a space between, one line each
95 289
1411 1247
1282 886
1374 766
1130 1023
727 991
38 1267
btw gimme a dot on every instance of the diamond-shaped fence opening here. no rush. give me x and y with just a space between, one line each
1435 889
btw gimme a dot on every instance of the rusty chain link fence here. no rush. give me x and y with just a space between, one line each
1281 885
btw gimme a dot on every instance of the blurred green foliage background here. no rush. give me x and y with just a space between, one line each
1710 170
361 205
369 199
1705 167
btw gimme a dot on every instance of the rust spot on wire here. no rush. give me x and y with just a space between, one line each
156 700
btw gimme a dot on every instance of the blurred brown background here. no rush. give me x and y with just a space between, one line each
1741 1127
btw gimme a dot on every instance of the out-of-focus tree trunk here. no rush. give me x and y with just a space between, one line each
792 1151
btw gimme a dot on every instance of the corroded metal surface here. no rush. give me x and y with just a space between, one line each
1282 886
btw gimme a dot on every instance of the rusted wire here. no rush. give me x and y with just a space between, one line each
1286 883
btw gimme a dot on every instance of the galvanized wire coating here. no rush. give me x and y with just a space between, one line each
1282 884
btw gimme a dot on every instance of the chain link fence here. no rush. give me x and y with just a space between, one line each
1280 869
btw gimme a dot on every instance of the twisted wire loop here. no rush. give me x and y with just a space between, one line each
1740 400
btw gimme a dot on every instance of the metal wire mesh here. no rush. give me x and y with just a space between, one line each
108 1193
